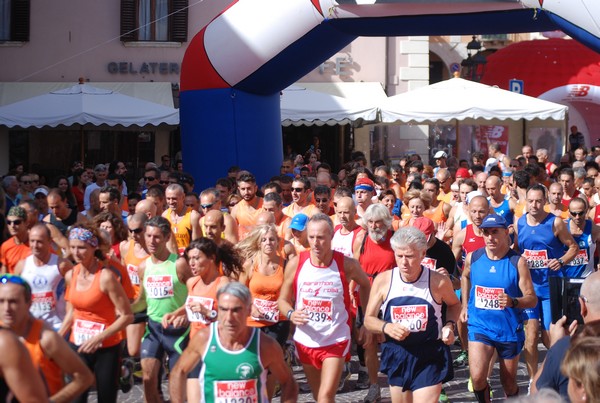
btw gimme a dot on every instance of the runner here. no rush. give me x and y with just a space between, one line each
301 201
348 236
586 234
98 312
50 353
163 276
245 210
249 354
184 221
315 298
415 355
496 285
45 272
210 200
16 248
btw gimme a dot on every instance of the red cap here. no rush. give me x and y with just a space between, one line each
425 225
462 173
365 183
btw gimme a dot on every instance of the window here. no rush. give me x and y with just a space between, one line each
14 20
154 20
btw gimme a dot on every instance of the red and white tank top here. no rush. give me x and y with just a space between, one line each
343 242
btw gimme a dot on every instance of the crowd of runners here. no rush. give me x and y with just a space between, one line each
222 292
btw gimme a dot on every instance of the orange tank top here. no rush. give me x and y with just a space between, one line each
50 371
182 229
93 312
246 217
132 262
437 215
265 292
207 296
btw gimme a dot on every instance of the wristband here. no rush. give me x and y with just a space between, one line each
515 302
383 327
289 314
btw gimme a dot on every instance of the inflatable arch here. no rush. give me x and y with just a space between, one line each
235 67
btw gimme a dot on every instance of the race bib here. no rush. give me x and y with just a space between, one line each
429 263
413 317
244 391
536 259
268 309
158 287
133 274
580 259
83 330
42 302
318 310
197 316
487 297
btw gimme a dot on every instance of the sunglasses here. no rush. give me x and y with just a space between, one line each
149 178
14 222
321 200
298 190
12 279
232 204
207 206
26 182
135 230
165 182
577 213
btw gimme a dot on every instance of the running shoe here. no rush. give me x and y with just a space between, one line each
443 397
462 360
373 395
126 378
345 376
363 380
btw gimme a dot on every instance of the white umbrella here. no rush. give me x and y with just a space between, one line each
300 106
84 104
463 99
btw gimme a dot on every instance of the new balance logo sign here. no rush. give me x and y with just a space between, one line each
579 91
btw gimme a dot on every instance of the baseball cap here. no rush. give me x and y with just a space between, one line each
462 173
100 168
425 225
365 184
494 221
299 222
42 190
440 154
473 194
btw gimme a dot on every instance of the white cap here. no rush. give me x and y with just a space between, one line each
41 190
473 194
440 154
490 163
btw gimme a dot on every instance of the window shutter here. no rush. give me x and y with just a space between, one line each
19 24
128 19
178 24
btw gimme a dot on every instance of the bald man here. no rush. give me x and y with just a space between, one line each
210 200
502 206
146 207
348 235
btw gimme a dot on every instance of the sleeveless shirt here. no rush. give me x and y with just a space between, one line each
164 292
265 293
582 264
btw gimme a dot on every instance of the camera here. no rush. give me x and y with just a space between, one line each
564 299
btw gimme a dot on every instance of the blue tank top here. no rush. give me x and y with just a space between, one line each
412 305
504 211
582 265
538 244
488 279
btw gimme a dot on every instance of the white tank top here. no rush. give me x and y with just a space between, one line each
343 243
323 294
48 290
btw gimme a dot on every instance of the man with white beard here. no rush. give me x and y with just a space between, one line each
376 256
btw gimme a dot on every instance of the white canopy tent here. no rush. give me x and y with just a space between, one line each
303 106
458 99
83 104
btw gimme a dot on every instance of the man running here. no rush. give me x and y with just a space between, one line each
496 285
16 247
210 200
249 354
320 307
184 221
415 355
245 211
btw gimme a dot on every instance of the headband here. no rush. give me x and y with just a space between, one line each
85 235
364 187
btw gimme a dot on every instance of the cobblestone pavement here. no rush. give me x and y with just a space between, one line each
456 389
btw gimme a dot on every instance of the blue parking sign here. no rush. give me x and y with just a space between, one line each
516 86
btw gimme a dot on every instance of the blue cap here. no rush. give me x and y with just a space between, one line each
494 221
299 222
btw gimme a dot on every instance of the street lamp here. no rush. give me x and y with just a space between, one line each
474 65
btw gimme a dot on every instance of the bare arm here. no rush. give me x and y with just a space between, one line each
358 241
286 298
231 233
64 266
465 285
195 219
457 244
563 234
19 267
272 357
529 299
444 291
191 356
57 349
17 369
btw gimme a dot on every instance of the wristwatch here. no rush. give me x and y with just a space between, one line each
515 302
289 314
561 262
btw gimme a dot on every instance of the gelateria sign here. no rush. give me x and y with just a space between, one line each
163 68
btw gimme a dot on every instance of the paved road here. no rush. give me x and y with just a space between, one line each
456 389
